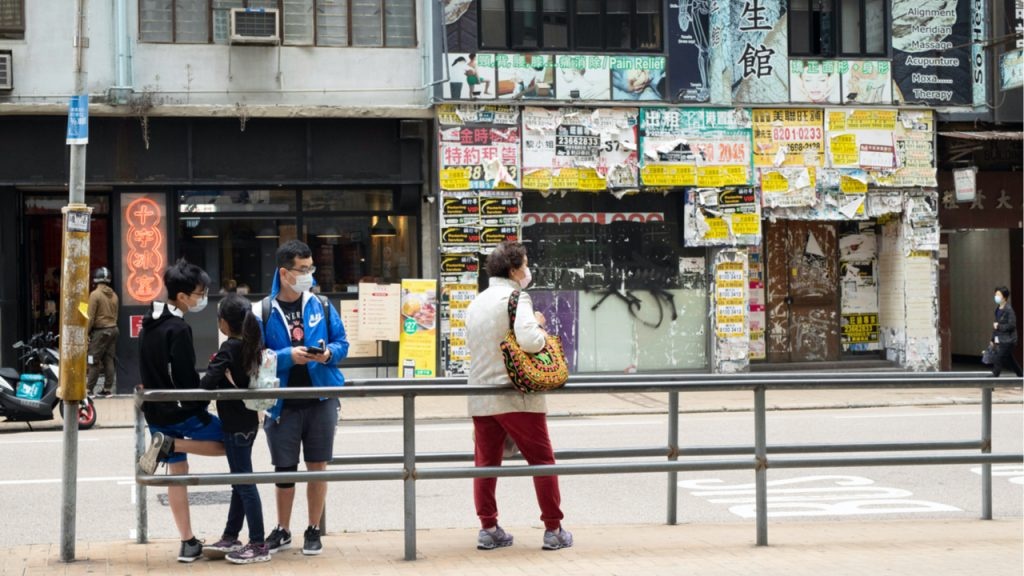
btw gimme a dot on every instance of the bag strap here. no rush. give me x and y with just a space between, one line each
513 305
265 311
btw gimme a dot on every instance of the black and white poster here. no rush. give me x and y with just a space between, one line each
759 51
688 46
931 52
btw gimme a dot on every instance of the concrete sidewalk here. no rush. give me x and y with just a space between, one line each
900 547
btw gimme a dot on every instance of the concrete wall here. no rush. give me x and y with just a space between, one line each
209 74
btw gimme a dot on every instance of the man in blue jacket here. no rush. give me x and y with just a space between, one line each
307 334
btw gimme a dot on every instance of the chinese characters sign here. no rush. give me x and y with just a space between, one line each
143 246
759 49
481 149
695 147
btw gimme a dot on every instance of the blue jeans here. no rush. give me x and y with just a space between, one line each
245 498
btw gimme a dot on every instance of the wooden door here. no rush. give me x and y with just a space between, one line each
803 292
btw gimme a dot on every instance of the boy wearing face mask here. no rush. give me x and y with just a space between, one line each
308 337
168 362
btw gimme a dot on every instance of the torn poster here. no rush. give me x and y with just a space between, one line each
861 138
756 318
732 342
695 147
455 300
579 149
787 187
459 268
915 151
479 156
722 217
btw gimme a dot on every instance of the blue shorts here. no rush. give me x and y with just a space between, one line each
193 429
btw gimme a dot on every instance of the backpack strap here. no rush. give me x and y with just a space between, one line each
513 305
265 311
326 304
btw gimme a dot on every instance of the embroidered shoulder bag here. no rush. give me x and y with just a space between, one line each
540 372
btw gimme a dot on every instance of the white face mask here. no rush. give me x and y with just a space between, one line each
998 298
303 282
200 306
526 279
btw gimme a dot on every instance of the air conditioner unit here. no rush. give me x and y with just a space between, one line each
6 71
255 26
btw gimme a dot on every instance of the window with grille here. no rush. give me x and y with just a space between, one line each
828 28
363 23
12 19
605 25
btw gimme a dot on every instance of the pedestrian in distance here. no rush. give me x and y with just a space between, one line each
168 362
307 335
234 366
1004 333
103 307
519 416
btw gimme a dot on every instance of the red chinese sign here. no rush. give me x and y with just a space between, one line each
136 325
144 243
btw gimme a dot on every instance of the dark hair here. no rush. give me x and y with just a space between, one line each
507 257
184 277
237 312
1004 291
290 250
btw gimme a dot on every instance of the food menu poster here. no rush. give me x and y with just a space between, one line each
417 343
357 347
379 307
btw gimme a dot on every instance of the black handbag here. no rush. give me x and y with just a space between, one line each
988 355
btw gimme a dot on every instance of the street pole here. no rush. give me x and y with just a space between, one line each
74 289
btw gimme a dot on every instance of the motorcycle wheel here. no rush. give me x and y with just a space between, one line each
86 413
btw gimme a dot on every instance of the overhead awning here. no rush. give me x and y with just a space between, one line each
984 135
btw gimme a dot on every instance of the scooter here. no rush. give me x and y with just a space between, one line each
40 357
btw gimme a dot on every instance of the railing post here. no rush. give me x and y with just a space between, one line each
141 513
760 466
986 448
673 454
409 460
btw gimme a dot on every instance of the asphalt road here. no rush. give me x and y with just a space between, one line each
30 472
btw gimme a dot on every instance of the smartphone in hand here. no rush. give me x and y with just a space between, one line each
316 350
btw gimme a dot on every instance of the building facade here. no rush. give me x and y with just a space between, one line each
706 184
218 129
703 185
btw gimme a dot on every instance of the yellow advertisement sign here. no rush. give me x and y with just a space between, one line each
417 341
669 175
795 135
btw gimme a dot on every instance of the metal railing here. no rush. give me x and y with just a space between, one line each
675 458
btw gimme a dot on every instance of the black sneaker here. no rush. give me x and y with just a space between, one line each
311 545
279 539
190 551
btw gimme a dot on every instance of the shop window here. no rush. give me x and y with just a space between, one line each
613 25
626 292
368 23
825 28
213 201
346 201
12 19
43 242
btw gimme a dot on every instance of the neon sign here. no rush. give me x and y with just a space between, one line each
145 259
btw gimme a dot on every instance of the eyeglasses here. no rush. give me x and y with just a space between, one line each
306 270
201 293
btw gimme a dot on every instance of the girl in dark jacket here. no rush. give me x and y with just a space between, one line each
1004 333
234 365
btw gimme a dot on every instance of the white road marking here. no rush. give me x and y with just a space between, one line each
835 495
975 413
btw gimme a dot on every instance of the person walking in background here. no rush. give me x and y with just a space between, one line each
307 335
1004 333
103 307
168 362
519 416
235 364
